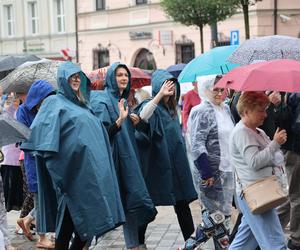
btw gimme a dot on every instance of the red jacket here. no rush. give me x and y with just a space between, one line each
191 99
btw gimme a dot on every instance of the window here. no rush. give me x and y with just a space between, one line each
185 50
100 4
101 58
60 14
33 18
141 2
8 20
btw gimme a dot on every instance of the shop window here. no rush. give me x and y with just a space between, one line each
100 58
185 50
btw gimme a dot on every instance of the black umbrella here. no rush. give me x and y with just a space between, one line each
8 63
12 131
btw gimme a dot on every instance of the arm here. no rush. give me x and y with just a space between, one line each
250 149
112 129
167 89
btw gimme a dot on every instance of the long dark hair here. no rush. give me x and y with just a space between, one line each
172 105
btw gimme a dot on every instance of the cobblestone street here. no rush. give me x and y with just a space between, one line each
162 234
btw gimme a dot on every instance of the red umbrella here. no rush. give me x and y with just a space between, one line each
138 78
277 75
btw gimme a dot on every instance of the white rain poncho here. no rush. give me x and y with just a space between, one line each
208 125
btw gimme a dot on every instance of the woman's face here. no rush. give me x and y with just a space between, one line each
216 96
122 78
74 81
256 116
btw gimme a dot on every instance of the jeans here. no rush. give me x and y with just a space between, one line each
263 230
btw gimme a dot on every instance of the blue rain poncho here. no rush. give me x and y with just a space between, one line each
25 114
135 197
73 157
165 165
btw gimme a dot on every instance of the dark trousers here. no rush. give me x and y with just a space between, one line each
65 234
185 220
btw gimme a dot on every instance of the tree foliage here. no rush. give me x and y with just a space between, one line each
199 12
244 4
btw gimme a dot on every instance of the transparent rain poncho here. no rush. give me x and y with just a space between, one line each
203 136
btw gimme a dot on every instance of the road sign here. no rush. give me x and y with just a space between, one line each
234 37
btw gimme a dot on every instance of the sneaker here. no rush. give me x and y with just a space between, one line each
291 245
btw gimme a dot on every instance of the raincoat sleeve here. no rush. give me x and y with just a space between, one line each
45 132
21 117
199 127
155 127
98 103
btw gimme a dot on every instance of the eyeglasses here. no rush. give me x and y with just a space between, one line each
218 91
75 77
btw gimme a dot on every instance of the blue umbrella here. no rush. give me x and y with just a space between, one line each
176 69
212 62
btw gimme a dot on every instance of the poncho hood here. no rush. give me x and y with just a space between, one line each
65 71
159 77
38 91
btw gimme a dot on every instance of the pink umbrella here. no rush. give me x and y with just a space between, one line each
276 75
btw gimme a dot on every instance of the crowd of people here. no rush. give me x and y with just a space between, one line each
95 160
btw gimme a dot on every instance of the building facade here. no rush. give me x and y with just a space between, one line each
41 27
138 32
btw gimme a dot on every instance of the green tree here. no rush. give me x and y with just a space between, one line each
244 4
199 12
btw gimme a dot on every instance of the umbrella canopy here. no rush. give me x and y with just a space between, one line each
22 77
277 75
176 69
267 48
12 131
210 63
11 62
138 78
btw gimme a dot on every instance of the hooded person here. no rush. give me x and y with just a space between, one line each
209 126
111 108
26 114
165 164
78 189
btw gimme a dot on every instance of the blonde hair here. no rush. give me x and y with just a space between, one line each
251 100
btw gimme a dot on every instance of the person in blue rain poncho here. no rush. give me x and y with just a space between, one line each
209 126
111 108
26 113
77 182
165 164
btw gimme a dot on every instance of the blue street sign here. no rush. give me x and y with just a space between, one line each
234 37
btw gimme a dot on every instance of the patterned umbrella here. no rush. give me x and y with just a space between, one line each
266 48
12 131
138 78
22 77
